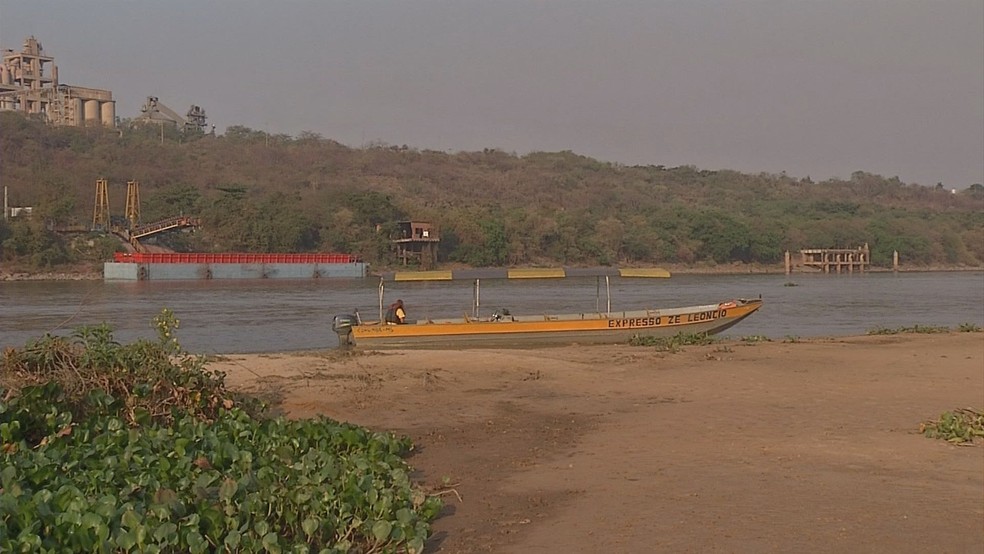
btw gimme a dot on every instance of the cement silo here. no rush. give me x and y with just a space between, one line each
108 113
92 112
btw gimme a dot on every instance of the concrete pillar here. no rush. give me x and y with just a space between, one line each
78 112
789 267
895 261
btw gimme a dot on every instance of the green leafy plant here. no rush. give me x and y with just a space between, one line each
139 382
674 343
107 447
959 426
917 329
969 328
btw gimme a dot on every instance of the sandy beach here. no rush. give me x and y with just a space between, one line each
809 446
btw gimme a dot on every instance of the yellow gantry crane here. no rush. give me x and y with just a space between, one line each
133 203
101 220
131 230
100 215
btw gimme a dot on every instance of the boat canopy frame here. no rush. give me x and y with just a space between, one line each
476 275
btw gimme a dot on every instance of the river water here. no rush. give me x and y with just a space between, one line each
269 315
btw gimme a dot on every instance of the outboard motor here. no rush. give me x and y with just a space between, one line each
499 314
342 326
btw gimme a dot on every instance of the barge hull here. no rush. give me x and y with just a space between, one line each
178 266
122 271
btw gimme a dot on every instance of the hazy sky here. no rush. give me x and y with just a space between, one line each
820 88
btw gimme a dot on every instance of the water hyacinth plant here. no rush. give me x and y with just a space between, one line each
960 426
106 447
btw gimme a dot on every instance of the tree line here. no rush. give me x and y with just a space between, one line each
261 192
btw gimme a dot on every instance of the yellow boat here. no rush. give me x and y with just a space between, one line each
502 329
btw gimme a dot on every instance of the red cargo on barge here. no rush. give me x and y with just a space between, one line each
232 258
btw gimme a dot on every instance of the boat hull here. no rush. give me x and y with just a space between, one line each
532 331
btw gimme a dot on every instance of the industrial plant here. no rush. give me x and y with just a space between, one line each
29 84
155 111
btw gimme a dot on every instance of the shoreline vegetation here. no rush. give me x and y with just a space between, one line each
179 462
674 269
255 192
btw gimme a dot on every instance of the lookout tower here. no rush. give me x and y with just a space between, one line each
417 240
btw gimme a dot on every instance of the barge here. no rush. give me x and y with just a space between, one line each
171 266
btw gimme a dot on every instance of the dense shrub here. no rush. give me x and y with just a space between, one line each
106 447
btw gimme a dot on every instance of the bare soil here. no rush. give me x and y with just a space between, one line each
810 446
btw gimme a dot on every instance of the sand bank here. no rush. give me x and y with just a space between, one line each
811 446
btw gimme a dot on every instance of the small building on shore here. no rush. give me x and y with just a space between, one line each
416 242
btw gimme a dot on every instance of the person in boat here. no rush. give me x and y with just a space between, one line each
396 314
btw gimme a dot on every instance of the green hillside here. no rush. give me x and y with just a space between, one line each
276 193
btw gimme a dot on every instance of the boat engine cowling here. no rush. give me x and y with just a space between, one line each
499 314
342 326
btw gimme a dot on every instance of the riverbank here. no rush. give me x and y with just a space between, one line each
75 272
808 445
89 274
51 276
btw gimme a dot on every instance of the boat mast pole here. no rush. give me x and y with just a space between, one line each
477 299
381 300
608 290
598 293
